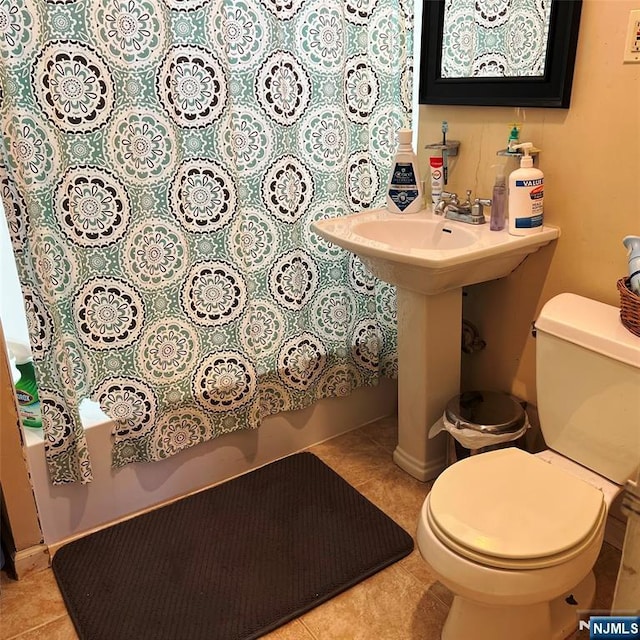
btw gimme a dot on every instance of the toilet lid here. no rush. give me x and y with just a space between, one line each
509 504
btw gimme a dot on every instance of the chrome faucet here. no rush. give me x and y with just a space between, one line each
472 213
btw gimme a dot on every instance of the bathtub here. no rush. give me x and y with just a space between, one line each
69 511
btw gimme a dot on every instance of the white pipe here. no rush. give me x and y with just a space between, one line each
627 594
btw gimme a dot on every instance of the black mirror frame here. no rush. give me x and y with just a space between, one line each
551 90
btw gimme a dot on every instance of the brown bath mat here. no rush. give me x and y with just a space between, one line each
231 562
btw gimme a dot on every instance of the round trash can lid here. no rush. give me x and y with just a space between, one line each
486 411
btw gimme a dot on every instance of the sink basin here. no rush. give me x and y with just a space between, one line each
429 259
421 233
426 253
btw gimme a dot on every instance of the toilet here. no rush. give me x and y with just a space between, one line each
515 535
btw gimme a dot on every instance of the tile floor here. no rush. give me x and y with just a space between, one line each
402 602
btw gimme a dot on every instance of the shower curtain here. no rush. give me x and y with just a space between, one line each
162 162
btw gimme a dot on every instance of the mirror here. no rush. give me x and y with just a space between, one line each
498 52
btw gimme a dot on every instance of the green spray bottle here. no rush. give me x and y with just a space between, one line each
26 386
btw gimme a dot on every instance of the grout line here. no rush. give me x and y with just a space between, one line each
306 628
41 626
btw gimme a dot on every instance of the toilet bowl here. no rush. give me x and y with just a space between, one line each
514 535
517 555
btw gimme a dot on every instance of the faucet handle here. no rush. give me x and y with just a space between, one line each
477 211
449 195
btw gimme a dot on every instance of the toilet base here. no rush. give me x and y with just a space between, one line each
564 615
540 621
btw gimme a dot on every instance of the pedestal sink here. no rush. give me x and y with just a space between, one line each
429 259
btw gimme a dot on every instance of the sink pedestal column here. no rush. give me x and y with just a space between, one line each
428 376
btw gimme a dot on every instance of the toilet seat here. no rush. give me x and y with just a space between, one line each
509 509
505 563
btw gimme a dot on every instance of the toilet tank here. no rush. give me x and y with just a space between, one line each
588 382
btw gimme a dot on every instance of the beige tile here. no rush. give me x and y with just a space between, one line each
354 456
398 494
384 432
401 497
30 602
58 629
390 605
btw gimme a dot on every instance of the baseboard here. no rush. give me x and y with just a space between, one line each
30 560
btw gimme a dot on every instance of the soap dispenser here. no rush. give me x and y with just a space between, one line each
526 195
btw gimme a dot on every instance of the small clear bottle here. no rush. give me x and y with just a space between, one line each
498 217
404 194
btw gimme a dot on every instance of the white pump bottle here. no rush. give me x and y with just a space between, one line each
526 196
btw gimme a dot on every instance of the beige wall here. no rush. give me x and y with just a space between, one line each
591 160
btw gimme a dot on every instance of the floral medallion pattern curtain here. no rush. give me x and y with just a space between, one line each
163 161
